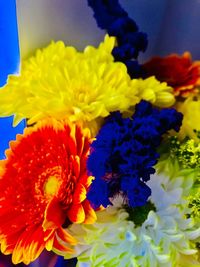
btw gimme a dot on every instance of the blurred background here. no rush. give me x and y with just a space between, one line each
173 26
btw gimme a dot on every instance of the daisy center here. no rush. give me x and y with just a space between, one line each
51 186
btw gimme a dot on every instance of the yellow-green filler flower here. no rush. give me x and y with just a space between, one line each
180 158
194 203
83 86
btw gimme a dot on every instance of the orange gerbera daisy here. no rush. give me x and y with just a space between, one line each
43 186
178 71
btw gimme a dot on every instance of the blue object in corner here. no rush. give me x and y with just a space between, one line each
9 45
9 64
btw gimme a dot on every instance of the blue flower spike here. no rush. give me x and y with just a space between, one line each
124 153
130 40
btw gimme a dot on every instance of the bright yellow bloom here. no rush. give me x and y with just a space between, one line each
191 114
86 86
150 89
61 82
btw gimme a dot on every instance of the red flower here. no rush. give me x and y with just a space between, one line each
43 185
178 71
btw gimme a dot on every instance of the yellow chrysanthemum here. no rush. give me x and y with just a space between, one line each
83 86
191 114
60 82
150 89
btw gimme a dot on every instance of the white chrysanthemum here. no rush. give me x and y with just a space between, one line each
162 239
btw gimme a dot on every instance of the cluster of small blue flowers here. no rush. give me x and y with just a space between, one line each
124 153
117 23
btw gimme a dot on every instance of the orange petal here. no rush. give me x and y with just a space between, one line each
72 140
76 164
9 241
7 248
86 180
79 141
34 246
76 213
65 236
79 194
54 215
61 247
49 243
49 236
29 246
90 215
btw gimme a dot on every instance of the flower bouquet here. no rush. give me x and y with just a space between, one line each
107 167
